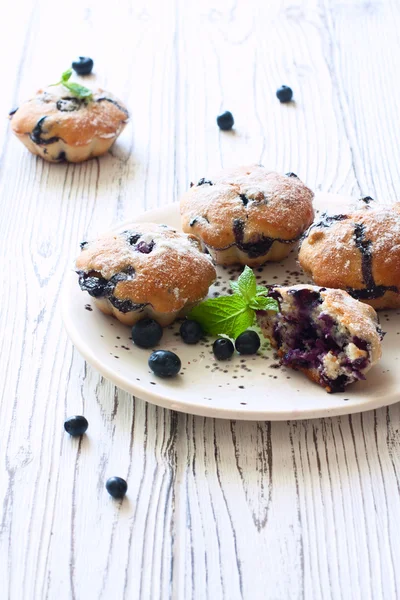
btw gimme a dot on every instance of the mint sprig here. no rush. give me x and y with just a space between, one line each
231 315
80 91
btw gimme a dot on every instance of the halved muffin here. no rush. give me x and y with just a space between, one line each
327 334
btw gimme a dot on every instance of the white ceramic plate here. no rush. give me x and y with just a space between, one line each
249 388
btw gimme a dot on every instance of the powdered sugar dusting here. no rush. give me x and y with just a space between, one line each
169 269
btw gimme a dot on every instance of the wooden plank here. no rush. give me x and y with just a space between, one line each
215 509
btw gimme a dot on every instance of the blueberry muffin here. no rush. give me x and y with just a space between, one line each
327 334
147 271
358 252
59 126
248 215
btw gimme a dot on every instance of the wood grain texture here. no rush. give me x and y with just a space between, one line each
215 509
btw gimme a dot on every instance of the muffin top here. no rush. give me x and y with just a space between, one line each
359 250
55 113
247 203
147 264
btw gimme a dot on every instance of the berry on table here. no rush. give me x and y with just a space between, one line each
146 333
225 121
248 342
164 363
116 487
76 425
223 349
191 331
83 65
284 93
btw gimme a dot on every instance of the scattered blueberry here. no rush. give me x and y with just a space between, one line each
225 121
284 93
164 363
146 333
191 332
116 487
76 425
83 65
248 342
223 349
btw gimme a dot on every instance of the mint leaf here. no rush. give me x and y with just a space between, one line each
79 91
66 75
235 286
228 315
261 290
247 283
263 303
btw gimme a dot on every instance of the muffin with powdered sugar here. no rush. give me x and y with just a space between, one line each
358 252
63 125
149 270
248 215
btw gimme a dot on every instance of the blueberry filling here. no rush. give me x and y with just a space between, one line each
69 104
95 286
367 199
364 245
327 220
125 306
244 199
193 221
83 245
371 289
98 287
305 338
61 157
13 111
144 247
291 175
121 108
131 237
257 248
37 131
204 181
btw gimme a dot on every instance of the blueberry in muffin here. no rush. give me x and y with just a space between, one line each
248 215
70 123
325 333
149 270
358 252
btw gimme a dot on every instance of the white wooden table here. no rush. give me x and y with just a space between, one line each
215 509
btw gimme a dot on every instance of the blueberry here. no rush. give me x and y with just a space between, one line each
284 93
76 425
223 349
225 121
291 175
191 332
248 342
164 363
144 247
146 333
116 487
83 65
